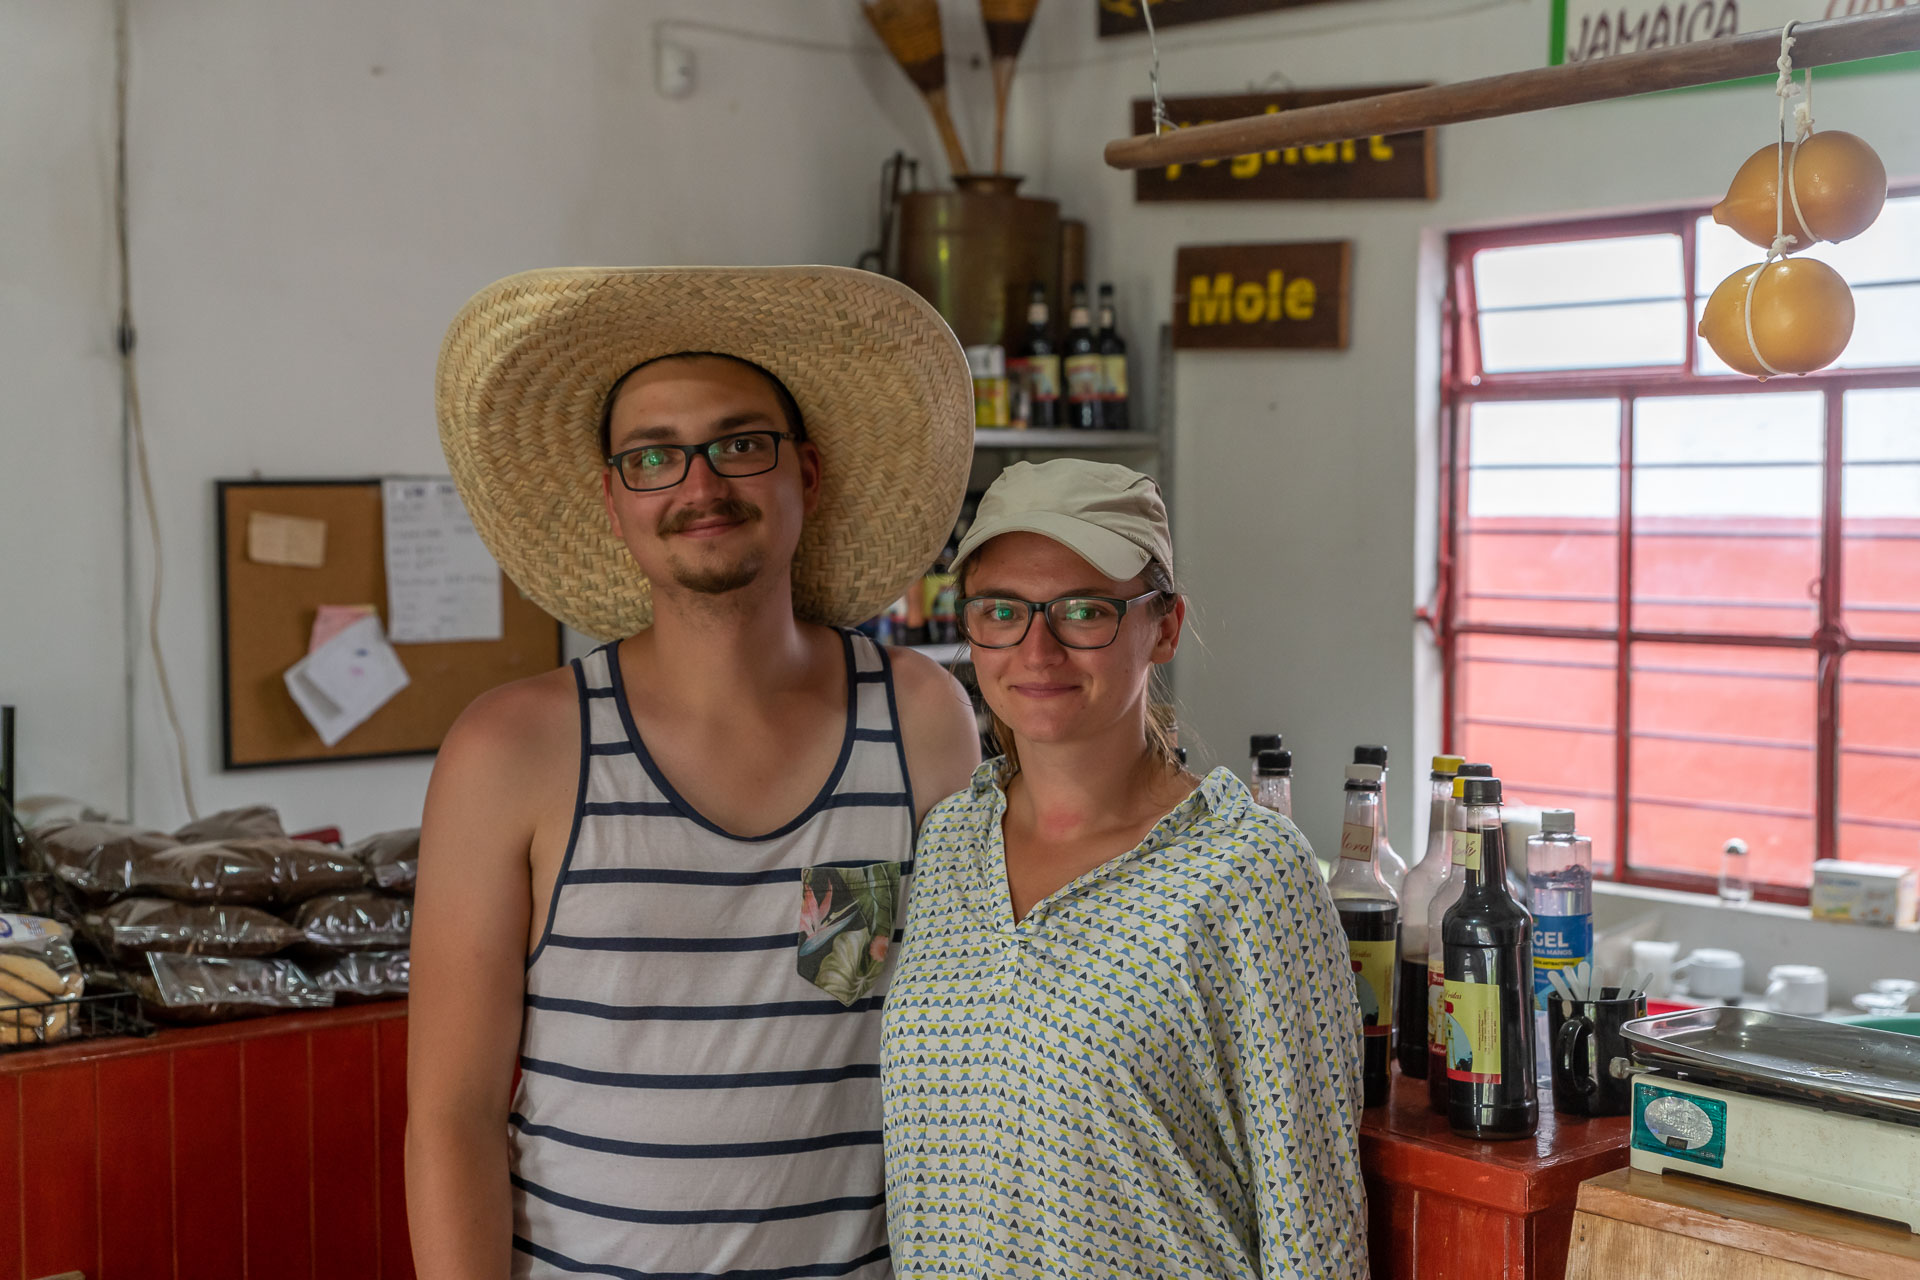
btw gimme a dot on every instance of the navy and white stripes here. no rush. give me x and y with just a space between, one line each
690 1106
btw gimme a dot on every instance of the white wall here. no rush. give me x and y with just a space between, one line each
1304 484
316 188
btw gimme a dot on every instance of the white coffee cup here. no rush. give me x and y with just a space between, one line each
1714 973
1656 959
1797 988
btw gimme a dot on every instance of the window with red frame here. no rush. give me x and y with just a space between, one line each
1683 603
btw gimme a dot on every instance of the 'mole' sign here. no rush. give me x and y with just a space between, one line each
1253 296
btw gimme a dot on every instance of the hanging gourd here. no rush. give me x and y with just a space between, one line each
1838 185
1792 315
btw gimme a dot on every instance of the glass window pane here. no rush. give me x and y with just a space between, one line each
1880 758
1581 304
1610 336
1723 746
1880 515
1726 513
1541 712
1540 542
1621 267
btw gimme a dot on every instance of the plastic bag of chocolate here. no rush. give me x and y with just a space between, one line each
133 926
365 921
245 823
96 859
392 858
39 978
363 975
266 871
182 988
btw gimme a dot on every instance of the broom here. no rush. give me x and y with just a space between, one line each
1007 22
911 31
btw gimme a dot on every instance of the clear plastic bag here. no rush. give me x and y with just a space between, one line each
181 988
245 823
365 921
133 926
40 978
96 860
365 975
258 872
392 858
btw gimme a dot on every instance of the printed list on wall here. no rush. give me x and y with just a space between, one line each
442 583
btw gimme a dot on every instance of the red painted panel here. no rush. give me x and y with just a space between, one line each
396 1246
276 1130
1390 1214
1461 1241
59 1158
136 1175
10 1208
208 1229
345 1165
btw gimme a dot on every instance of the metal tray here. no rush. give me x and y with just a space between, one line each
1830 1064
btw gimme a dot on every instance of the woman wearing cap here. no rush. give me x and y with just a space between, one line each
1123 1038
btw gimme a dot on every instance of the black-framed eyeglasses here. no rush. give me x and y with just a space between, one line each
647 467
1078 622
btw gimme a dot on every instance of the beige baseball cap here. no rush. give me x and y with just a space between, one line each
1110 516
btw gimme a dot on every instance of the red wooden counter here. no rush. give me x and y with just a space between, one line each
262 1149
1447 1208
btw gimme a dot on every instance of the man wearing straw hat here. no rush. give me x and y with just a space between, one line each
663 882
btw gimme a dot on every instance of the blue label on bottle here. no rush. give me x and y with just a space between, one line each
1559 942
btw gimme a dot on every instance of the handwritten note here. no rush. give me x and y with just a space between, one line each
345 680
441 582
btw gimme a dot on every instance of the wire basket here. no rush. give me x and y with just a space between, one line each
86 1017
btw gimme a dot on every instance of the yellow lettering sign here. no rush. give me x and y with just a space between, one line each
1301 295
1250 303
1217 299
1378 148
1209 302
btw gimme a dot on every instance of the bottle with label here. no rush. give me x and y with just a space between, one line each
1560 889
1113 366
1273 781
1410 1032
1370 913
1444 896
1085 409
1258 742
1393 867
1036 365
1488 939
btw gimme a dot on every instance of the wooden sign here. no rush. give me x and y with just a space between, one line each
1399 167
1256 296
1122 17
1582 30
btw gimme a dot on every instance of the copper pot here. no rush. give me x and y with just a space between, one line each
974 252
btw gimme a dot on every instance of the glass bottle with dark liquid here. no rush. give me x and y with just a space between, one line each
1411 1036
1443 899
1489 992
1370 913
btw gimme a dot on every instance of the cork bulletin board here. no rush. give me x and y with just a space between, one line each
266 620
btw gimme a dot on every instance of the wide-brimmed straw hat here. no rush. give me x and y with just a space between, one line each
880 380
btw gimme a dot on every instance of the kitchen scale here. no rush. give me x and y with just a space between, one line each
1821 1111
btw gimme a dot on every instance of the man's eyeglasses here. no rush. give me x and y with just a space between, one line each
1078 622
661 466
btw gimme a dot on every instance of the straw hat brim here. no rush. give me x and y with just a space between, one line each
881 382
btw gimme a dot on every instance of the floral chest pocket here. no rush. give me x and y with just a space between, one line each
847 916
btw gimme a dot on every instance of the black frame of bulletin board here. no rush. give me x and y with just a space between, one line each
442 682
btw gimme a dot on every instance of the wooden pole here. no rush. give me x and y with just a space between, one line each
1816 44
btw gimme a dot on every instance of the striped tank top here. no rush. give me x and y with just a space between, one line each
700 1084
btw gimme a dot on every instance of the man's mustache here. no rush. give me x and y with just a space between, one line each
726 509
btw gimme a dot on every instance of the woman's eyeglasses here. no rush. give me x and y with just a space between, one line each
662 466
1077 622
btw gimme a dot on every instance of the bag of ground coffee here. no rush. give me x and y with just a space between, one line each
233 824
366 921
96 859
392 858
266 871
133 926
195 989
364 975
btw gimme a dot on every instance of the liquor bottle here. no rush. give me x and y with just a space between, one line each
1113 365
1037 365
1410 1032
1273 781
1083 367
1393 867
1370 913
1560 892
1444 896
1258 742
1489 945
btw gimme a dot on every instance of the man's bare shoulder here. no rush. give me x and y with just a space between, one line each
937 725
523 721
921 682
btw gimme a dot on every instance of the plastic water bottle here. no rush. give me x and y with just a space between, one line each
1560 887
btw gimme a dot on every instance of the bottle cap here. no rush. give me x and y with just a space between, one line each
1480 790
1370 755
1264 742
1476 771
1446 766
1364 774
1557 820
1273 762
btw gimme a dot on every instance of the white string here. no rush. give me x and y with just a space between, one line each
1784 89
1160 122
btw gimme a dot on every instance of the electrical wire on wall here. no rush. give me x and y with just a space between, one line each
134 449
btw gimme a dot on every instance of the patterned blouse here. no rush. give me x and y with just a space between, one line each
1155 1073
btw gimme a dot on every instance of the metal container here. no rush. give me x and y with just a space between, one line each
973 253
